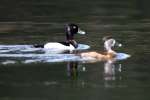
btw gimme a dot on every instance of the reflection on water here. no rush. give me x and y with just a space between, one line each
73 68
110 70
112 73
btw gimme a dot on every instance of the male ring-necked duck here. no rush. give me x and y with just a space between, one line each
69 44
109 42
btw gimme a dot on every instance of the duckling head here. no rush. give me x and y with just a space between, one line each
109 43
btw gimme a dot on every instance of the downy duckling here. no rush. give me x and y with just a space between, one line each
109 42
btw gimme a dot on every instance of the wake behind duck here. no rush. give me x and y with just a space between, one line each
29 55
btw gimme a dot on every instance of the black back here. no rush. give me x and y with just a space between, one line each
38 45
65 43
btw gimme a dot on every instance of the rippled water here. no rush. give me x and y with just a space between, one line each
40 21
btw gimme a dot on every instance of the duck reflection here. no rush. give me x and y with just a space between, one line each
111 73
109 70
73 69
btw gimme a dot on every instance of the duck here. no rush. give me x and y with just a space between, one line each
109 53
70 44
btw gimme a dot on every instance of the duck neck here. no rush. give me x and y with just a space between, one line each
69 36
110 50
73 42
111 53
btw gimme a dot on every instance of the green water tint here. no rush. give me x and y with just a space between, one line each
31 22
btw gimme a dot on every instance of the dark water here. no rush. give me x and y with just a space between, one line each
39 21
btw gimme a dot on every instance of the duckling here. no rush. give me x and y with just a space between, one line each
109 42
69 44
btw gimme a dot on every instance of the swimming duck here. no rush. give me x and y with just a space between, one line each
69 44
109 42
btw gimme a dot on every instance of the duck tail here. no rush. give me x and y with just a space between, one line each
38 45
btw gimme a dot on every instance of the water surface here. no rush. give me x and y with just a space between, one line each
40 21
